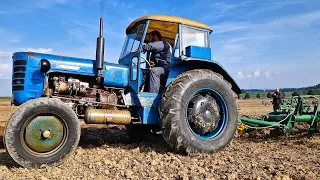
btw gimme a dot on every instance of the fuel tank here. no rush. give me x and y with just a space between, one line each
116 75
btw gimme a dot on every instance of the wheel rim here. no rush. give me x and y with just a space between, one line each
44 135
206 114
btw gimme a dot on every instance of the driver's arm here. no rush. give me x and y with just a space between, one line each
154 46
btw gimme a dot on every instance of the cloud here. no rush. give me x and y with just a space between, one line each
268 74
5 54
274 6
77 34
240 75
248 8
6 59
238 39
256 73
24 6
41 50
9 37
231 27
249 76
122 5
85 25
299 21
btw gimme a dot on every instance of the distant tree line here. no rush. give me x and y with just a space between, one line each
259 95
311 90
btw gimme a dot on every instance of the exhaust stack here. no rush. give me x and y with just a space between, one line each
100 53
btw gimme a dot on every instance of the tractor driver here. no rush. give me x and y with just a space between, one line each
159 60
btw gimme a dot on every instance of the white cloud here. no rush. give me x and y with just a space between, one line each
77 34
240 75
231 27
122 5
249 76
5 54
46 4
41 50
268 74
8 37
6 59
256 73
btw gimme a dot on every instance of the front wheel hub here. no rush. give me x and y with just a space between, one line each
43 134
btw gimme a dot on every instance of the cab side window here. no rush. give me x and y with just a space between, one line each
194 37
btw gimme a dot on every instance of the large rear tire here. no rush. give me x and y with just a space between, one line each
199 112
42 131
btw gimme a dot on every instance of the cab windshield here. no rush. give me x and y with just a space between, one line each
133 40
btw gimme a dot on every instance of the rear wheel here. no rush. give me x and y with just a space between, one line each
42 131
199 112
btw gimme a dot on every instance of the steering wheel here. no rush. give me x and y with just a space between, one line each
145 60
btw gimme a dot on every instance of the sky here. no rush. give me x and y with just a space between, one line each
262 44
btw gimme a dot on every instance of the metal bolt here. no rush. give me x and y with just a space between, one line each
46 134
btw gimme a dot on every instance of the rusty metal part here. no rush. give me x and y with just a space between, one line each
107 116
46 134
94 102
62 88
47 91
43 134
30 54
108 98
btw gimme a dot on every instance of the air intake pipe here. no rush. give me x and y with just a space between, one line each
100 53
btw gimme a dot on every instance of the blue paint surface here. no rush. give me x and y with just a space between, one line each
116 75
148 113
198 52
34 79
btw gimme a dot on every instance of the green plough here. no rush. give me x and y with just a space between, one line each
293 111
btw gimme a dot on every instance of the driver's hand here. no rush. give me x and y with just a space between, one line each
152 64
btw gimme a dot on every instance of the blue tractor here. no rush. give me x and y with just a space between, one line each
195 111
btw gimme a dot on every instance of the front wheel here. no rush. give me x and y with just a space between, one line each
42 131
199 112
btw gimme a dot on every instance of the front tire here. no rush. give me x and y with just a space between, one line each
42 131
199 112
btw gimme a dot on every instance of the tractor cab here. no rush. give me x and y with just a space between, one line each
187 38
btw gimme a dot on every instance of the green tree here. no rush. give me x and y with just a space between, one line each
258 96
269 95
295 93
310 92
247 96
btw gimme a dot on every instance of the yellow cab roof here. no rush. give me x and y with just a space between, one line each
166 25
170 19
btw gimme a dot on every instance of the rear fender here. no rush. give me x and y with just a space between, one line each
191 64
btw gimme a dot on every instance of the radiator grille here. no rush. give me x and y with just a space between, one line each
19 68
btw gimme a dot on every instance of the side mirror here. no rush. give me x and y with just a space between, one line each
44 65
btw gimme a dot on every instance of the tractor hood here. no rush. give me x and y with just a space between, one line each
63 64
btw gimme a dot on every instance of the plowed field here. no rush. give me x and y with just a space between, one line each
106 152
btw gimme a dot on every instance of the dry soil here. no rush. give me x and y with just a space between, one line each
106 152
